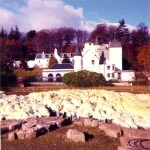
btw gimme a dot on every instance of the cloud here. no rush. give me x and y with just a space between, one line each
88 25
44 14
91 25
39 14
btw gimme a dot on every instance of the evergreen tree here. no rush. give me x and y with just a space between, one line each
52 60
122 32
11 34
66 59
17 34
2 34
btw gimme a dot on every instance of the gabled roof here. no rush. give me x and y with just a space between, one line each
62 66
115 43
77 52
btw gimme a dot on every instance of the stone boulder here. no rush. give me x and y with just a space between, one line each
44 111
12 136
87 122
30 134
111 130
20 135
136 133
75 135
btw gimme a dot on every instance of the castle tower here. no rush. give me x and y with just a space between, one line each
77 60
115 54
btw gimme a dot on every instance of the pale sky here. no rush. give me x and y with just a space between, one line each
79 14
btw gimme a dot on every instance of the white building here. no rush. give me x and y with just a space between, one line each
105 59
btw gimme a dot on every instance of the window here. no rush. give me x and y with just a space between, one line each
47 56
93 62
58 77
113 75
113 67
50 77
108 67
108 75
119 75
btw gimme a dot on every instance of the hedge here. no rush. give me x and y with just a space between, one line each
84 79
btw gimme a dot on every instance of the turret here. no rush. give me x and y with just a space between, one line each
77 60
115 54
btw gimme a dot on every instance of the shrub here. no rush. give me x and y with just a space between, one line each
7 79
83 79
27 75
140 79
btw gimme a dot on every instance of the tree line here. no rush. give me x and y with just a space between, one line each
16 45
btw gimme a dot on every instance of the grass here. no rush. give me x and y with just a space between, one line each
56 140
27 90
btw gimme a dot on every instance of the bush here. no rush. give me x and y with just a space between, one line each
7 79
27 75
140 79
84 79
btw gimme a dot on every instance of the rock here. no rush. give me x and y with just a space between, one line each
111 130
44 112
87 122
59 123
20 115
28 125
142 122
120 122
4 129
11 136
14 126
31 133
121 148
124 142
52 126
74 118
77 123
21 134
57 113
41 130
75 135
94 123
136 133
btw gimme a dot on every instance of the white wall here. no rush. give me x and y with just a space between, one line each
46 72
31 63
106 69
42 63
126 75
115 57
90 58
78 63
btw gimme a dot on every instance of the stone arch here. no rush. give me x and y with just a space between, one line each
58 77
50 77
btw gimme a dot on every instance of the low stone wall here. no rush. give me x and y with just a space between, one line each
34 127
